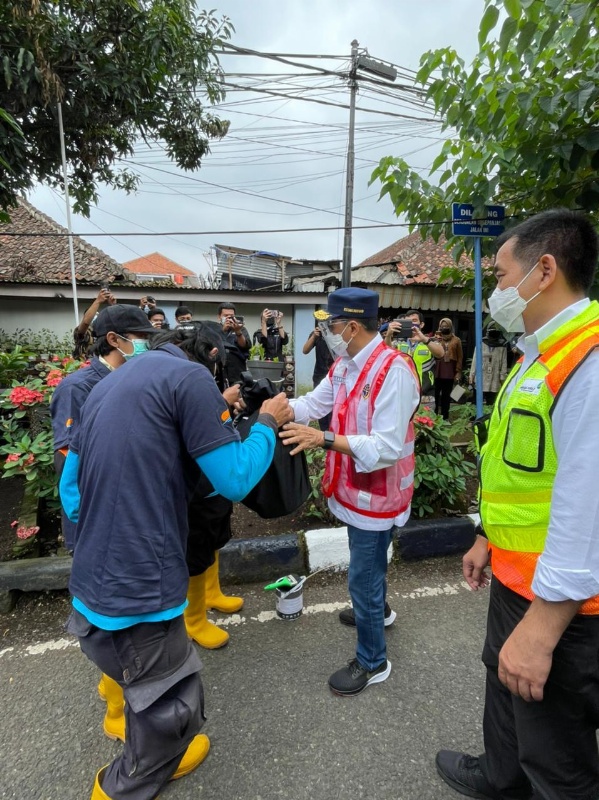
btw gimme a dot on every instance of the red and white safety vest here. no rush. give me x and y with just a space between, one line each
383 493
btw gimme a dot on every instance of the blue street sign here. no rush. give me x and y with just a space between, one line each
463 224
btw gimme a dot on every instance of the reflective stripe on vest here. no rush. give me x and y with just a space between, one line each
424 361
519 463
383 493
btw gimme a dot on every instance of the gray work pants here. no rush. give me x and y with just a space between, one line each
158 669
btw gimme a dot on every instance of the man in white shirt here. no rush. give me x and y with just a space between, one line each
540 512
372 392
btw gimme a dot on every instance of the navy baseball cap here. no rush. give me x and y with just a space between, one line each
122 319
351 303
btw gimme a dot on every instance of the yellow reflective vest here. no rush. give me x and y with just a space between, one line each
424 362
518 462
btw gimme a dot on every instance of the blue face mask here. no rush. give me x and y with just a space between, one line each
139 346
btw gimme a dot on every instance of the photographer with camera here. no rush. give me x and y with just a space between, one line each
237 342
82 335
271 335
147 303
406 335
157 319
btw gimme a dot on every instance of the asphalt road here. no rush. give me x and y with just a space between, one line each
276 730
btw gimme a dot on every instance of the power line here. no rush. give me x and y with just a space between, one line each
427 224
334 105
249 194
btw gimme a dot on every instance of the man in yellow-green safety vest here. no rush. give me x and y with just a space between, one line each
423 349
539 508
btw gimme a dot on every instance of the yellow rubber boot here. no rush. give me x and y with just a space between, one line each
114 721
214 597
196 752
98 793
102 689
201 630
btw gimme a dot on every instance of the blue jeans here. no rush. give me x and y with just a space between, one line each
368 590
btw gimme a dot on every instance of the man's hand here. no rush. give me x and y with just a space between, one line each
302 436
232 394
316 332
418 335
526 657
279 408
474 564
237 326
525 661
111 299
229 323
103 295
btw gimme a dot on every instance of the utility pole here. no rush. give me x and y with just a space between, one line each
381 70
349 175
65 178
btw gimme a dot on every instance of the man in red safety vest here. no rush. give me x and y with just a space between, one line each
372 392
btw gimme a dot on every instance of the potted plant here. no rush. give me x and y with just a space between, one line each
260 368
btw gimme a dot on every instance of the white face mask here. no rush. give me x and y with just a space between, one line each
506 306
335 341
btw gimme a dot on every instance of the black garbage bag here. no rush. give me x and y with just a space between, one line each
286 483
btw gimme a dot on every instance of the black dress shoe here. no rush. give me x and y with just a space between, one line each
463 773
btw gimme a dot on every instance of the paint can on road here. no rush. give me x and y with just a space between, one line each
290 603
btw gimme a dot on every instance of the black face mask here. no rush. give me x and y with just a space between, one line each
445 331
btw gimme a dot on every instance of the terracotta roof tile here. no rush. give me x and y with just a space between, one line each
45 259
156 264
418 260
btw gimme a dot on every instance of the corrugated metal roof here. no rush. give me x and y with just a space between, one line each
424 298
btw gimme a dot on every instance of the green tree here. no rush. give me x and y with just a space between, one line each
523 118
124 71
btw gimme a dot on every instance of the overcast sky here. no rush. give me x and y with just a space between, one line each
285 149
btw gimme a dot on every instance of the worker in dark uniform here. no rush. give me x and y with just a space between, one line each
121 332
129 574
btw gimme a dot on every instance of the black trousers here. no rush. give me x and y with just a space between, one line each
443 387
159 671
542 750
209 530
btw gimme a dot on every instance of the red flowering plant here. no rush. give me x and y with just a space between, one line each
441 470
27 447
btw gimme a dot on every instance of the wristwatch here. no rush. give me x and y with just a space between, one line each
428 341
329 440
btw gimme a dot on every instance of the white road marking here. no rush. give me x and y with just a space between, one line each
56 644
422 592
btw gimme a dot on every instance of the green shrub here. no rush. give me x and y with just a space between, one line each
441 470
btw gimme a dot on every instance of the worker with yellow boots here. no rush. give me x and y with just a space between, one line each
129 575
209 520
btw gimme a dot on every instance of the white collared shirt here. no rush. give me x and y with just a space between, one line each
382 447
568 568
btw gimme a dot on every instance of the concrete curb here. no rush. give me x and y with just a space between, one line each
266 558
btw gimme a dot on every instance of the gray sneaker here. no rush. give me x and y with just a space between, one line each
347 617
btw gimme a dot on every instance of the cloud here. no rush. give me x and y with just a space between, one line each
295 158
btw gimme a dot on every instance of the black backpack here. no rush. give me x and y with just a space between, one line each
286 483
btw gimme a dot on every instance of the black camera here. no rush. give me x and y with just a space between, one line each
406 330
239 319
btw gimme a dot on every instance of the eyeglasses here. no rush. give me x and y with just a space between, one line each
336 321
